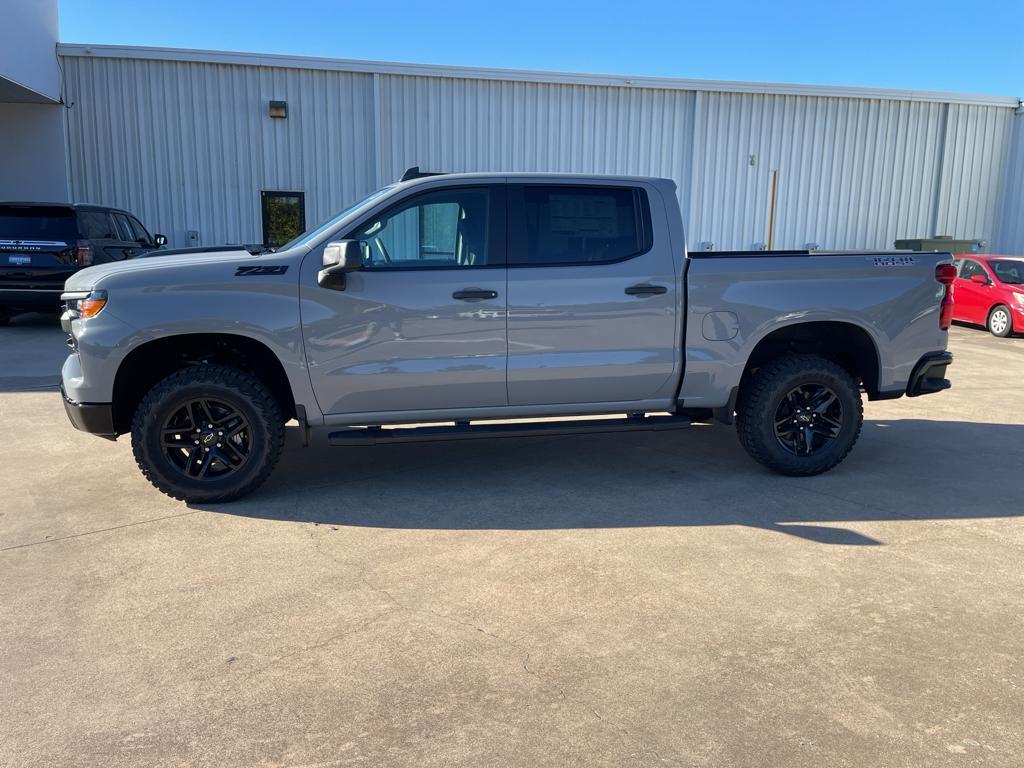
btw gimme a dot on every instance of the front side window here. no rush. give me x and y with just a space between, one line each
578 225
443 228
971 268
141 233
124 229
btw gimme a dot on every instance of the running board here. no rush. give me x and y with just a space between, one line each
376 435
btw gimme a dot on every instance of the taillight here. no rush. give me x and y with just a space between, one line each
83 253
946 274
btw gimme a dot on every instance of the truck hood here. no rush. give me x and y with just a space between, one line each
90 277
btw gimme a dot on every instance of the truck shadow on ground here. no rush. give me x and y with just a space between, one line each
33 353
901 470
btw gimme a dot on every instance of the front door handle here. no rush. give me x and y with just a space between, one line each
474 294
646 290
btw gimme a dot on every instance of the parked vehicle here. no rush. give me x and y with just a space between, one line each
465 298
989 291
43 244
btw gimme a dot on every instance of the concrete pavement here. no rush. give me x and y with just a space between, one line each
616 600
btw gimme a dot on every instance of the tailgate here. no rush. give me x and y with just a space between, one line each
37 246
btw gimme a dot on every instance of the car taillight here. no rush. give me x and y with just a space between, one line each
946 274
83 253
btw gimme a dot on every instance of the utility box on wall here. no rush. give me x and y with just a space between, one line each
940 243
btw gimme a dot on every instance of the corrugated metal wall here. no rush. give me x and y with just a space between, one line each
189 146
1011 221
489 125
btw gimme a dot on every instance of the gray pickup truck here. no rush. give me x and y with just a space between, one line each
482 305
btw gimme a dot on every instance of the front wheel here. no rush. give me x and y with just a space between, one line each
799 415
999 322
207 433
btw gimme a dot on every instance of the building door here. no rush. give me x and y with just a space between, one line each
284 217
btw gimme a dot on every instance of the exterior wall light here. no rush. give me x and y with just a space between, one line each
279 109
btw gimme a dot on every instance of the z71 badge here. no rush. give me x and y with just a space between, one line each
279 269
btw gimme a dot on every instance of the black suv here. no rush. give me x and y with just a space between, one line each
42 244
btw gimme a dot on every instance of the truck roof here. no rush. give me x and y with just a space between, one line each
70 206
414 175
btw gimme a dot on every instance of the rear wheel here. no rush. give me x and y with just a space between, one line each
208 433
799 415
999 322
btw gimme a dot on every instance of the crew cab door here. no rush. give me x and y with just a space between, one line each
592 295
421 326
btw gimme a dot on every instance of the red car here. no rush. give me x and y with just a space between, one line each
990 291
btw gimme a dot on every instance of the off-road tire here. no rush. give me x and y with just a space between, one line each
223 383
1006 327
762 395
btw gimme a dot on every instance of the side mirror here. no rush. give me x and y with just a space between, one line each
979 279
340 258
160 240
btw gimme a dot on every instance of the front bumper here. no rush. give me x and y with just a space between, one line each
930 374
95 418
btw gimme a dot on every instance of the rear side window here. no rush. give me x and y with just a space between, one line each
577 225
96 225
37 223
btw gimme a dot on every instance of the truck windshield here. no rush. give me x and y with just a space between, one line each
1009 270
312 234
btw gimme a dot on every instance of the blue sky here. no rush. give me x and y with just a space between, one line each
975 47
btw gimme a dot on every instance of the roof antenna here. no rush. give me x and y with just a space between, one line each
416 173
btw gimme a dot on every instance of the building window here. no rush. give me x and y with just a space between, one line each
284 217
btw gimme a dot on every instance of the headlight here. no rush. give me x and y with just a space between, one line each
92 304
84 304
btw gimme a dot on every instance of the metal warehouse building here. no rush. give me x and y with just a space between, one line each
190 141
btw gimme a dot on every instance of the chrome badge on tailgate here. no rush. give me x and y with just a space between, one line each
894 261
32 245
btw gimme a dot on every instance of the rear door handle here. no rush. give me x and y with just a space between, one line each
646 290
474 294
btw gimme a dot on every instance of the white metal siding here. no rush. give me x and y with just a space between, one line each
188 145
1010 239
484 125
852 173
973 171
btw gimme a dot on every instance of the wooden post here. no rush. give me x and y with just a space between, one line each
771 211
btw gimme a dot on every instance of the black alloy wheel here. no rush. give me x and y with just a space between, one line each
206 439
808 419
